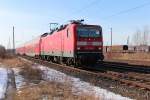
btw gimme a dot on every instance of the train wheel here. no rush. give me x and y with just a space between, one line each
69 61
77 62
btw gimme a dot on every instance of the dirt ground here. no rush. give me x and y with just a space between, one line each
128 56
131 58
39 89
12 62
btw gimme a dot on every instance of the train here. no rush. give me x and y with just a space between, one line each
75 43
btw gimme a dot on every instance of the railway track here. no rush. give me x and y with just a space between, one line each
124 67
144 63
129 80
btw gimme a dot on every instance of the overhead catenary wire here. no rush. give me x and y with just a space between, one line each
127 10
84 8
115 14
95 2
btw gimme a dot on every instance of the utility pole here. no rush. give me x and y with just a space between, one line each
128 39
13 40
111 37
9 44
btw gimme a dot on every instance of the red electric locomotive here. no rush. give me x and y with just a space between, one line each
74 43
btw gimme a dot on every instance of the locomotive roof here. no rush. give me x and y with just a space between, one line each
79 22
45 34
62 27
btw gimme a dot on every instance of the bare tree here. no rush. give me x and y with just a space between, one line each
145 35
137 37
141 37
2 51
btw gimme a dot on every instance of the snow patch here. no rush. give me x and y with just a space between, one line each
3 82
80 86
18 78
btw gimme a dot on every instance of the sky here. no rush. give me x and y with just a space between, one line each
32 17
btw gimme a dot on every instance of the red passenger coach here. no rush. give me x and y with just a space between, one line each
31 48
20 51
74 43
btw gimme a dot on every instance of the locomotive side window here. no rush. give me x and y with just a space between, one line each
67 33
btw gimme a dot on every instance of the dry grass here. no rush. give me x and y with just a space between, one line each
50 91
13 62
31 73
139 58
42 90
129 56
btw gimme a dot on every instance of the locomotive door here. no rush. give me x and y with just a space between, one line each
41 47
62 45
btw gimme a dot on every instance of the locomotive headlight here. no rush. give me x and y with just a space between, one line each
99 48
78 48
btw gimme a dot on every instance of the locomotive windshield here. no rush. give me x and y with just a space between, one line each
88 32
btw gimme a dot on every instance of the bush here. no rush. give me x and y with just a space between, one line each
31 73
2 51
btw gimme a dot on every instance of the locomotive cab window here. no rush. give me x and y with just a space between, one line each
89 32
